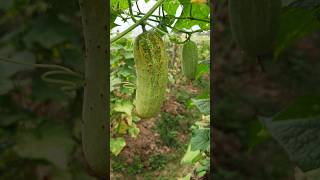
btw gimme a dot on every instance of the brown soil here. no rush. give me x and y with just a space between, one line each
146 144
149 142
172 106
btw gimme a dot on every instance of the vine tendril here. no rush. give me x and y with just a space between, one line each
66 85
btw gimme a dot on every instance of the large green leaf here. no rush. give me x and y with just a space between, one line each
297 131
304 3
199 11
200 139
50 31
302 107
51 142
6 4
295 24
310 175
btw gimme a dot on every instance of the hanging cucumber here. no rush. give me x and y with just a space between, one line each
189 59
254 24
152 73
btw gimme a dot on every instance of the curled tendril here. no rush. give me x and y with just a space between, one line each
66 85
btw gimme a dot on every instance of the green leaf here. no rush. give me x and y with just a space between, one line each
119 5
171 6
303 3
6 4
43 91
125 107
8 119
187 177
201 173
116 145
50 31
62 6
313 174
298 133
185 2
199 11
113 17
295 23
51 142
309 175
9 69
302 107
5 85
202 69
300 139
114 82
203 105
191 157
134 131
200 139
72 56
23 57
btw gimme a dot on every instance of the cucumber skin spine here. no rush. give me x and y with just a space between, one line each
151 65
254 24
189 59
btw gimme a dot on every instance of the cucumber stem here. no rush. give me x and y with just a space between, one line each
139 22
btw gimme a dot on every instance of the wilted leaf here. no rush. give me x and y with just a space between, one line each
134 131
125 107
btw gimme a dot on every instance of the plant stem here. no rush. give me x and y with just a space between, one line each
139 22
130 11
156 28
138 6
190 18
180 30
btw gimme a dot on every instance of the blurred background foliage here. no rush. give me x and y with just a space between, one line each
267 122
39 123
